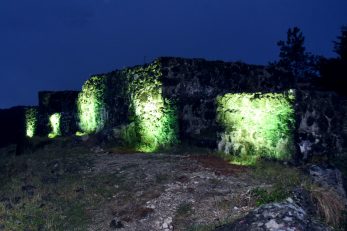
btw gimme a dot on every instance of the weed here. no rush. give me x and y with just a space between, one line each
282 180
264 196
184 209
329 206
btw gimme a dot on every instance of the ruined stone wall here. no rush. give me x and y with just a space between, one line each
117 101
195 84
63 102
189 88
319 123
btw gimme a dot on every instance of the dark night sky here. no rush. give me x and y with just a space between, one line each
58 44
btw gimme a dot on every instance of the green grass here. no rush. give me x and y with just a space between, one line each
63 204
265 196
184 209
281 178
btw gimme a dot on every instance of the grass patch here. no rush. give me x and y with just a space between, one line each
329 206
184 209
265 196
282 180
182 218
49 189
273 172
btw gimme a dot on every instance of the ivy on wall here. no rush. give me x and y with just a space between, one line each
153 118
256 125
91 105
54 121
30 122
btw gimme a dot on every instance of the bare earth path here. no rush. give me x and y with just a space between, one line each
68 186
169 192
73 185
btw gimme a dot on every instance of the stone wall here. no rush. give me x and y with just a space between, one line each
63 102
319 123
189 88
195 84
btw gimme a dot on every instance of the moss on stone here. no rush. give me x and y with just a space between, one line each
153 118
256 125
30 121
54 121
91 105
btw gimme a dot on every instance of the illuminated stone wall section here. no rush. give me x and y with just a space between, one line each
91 105
256 125
30 121
154 119
54 121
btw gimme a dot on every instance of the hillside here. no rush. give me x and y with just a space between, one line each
75 184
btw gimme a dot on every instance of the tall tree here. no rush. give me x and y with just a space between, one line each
293 55
334 71
340 46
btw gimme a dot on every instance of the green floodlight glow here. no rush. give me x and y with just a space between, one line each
30 121
91 105
54 121
155 118
256 125
78 133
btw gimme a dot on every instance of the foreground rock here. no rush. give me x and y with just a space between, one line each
299 213
286 216
328 177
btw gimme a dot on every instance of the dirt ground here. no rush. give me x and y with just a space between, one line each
70 187
171 192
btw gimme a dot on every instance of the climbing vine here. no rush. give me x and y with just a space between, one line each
153 118
91 105
30 121
256 125
54 121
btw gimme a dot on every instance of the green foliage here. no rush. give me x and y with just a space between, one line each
154 118
129 134
30 121
281 178
256 125
54 121
264 196
91 105
184 209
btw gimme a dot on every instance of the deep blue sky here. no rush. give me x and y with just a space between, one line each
58 44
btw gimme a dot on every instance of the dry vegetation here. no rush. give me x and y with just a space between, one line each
65 186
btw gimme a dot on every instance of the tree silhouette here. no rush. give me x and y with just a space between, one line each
340 46
334 71
293 55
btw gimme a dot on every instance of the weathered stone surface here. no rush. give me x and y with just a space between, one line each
194 84
319 118
328 177
116 224
285 216
63 102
